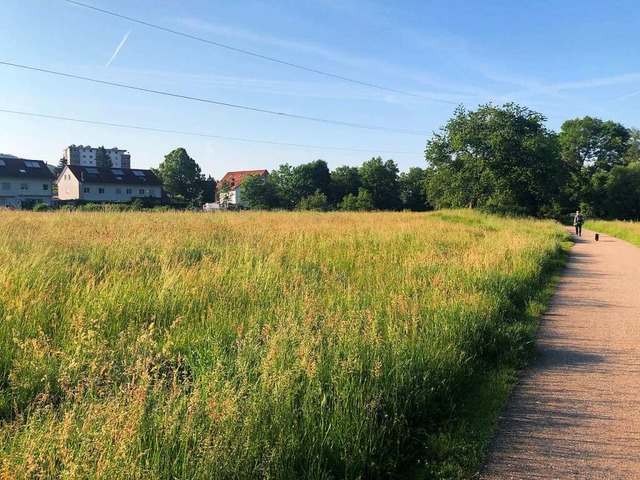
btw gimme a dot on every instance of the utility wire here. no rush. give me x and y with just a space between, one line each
193 134
214 102
257 55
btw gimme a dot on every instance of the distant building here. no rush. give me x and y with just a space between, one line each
24 181
104 185
86 155
235 179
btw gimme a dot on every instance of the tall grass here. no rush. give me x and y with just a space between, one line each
253 345
629 231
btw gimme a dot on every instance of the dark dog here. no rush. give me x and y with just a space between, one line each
597 237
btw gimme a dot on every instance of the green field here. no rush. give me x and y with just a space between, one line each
261 345
629 231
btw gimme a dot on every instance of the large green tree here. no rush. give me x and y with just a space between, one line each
181 176
591 148
344 181
622 189
102 158
502 159
380 180
412 189
260 193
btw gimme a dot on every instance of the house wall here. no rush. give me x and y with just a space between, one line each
14 190
81 155
116 193
68 186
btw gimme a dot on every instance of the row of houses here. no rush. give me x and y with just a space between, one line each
26 182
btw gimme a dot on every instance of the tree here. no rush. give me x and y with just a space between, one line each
310 177
349 203
317 202
591 142
623 192
103 159
259 193
632 153
380 180
589 146
208 187
181 176
501 159
364 202
59 167
412 189
344 181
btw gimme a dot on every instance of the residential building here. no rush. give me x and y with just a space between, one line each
86 155
235 180
105 185
24 182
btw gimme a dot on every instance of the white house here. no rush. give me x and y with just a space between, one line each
24 181
234 180
86 155
104 185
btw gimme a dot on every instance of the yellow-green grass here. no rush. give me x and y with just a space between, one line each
256 345
629 231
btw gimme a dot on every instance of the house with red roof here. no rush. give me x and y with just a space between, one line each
234 182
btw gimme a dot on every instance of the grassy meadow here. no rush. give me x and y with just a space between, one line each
261 345
629 231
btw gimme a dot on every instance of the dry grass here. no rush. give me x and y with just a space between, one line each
273 345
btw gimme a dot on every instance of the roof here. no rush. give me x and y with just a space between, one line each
123 176
236 178
23 168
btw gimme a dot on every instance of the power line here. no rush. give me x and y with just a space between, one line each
193 134
214 102
257 55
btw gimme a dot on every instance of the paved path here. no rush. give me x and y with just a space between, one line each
576 412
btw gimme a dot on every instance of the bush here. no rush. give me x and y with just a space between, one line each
40 207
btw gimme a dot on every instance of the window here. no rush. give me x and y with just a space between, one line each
87 190
128 191
2 163
6 186
141 191
45 187
92 171
138 173
118 191
100 190
30 164
24 186
117 171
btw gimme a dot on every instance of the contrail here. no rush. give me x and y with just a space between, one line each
634 94
115 54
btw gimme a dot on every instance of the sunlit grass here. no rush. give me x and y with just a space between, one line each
629 231
252 345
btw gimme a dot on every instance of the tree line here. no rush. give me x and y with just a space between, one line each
501 159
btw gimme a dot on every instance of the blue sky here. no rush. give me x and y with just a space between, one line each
565 59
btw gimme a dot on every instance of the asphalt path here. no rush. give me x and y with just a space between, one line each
575 414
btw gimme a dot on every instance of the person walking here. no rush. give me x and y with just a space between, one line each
578 220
